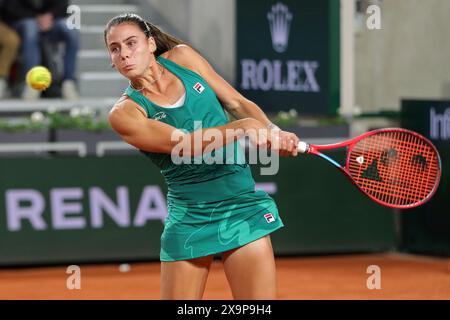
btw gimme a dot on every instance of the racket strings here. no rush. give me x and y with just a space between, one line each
397 168
412 188
399 193
403 188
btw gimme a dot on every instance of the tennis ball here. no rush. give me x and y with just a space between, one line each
39 78
124 267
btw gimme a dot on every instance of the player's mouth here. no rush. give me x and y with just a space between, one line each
129 67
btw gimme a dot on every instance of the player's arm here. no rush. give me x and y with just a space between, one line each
235 103
231 99
154 136
134 128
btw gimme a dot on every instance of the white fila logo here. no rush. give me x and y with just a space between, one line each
199 87
269 217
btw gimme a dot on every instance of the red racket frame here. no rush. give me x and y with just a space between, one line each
315 149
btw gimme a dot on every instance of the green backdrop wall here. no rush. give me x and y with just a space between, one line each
71 210
426 229
288 54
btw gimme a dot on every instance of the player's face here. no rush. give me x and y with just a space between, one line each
130 50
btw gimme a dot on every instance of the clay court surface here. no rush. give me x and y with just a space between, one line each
323 277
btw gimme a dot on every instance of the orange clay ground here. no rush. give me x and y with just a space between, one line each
324 277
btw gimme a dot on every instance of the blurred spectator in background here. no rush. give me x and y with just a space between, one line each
37 20
9 44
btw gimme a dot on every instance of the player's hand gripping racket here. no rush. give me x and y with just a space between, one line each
395 167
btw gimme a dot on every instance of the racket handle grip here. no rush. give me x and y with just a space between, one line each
303 147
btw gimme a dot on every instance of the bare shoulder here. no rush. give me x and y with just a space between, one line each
126 105
123 112
187 57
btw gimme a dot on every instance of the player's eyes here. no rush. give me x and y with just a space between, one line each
131 43
115 50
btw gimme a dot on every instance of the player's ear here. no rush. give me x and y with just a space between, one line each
152 44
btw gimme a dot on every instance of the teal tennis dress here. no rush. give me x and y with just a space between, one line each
212 205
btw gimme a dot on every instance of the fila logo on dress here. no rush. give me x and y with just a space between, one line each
199 87
269 217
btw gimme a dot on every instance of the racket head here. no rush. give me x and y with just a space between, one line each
395 167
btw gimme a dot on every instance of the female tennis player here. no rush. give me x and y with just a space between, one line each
212 208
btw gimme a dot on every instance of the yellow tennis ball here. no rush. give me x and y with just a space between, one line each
39 78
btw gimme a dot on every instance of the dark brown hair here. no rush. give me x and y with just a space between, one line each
164 41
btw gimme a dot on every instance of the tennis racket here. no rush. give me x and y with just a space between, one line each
395 167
